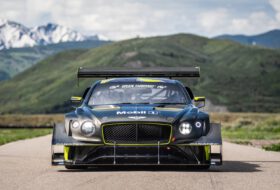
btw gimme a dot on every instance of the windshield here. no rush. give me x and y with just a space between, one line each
137 93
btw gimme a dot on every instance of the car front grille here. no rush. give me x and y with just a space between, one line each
136 133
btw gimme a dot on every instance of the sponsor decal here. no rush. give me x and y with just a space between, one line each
136 117
143 86
143 112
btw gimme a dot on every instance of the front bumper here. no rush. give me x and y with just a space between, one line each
206 150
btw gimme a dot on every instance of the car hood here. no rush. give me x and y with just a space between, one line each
140 113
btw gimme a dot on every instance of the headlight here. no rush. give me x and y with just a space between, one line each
185 128
75 124
88 128
198 124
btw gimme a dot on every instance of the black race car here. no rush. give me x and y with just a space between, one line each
138 117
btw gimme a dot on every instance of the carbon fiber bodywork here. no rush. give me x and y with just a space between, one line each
136 134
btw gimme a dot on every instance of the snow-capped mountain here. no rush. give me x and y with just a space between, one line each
15 35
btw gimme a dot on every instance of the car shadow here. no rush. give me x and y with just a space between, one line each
228 166
237 166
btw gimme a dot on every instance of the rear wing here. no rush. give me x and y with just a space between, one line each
168 72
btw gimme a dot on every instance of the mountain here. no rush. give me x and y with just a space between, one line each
16 60
269 39
21 47
242 78
15 35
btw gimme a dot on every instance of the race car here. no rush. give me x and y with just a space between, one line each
137 117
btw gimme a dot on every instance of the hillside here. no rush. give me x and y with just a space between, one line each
240 77
14 61
269 39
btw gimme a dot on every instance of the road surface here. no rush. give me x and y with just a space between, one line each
26 165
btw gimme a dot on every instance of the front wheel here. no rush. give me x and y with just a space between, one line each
204 167
71 167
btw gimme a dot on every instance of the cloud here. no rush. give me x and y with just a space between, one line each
257 21
121 19
209 21
276 6
215 21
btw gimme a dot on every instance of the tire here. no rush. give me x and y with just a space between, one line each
204 167
71 167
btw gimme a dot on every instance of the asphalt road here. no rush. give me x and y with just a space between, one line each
26 165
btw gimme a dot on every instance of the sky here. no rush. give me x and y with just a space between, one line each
123 19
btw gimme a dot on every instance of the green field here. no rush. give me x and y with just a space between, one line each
10 135
242 78
35 120
268 129
261 130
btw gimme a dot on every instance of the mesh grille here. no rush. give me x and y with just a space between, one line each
134 133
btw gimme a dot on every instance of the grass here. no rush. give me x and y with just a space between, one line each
10 135
273 147
261 130
244 142
30 120
249 129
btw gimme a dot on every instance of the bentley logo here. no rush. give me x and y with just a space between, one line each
137 117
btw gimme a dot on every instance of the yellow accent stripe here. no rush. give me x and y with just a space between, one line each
207 152
148 80
66 152
105 81
171 132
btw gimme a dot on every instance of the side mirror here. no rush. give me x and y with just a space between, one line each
199 101
76 99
